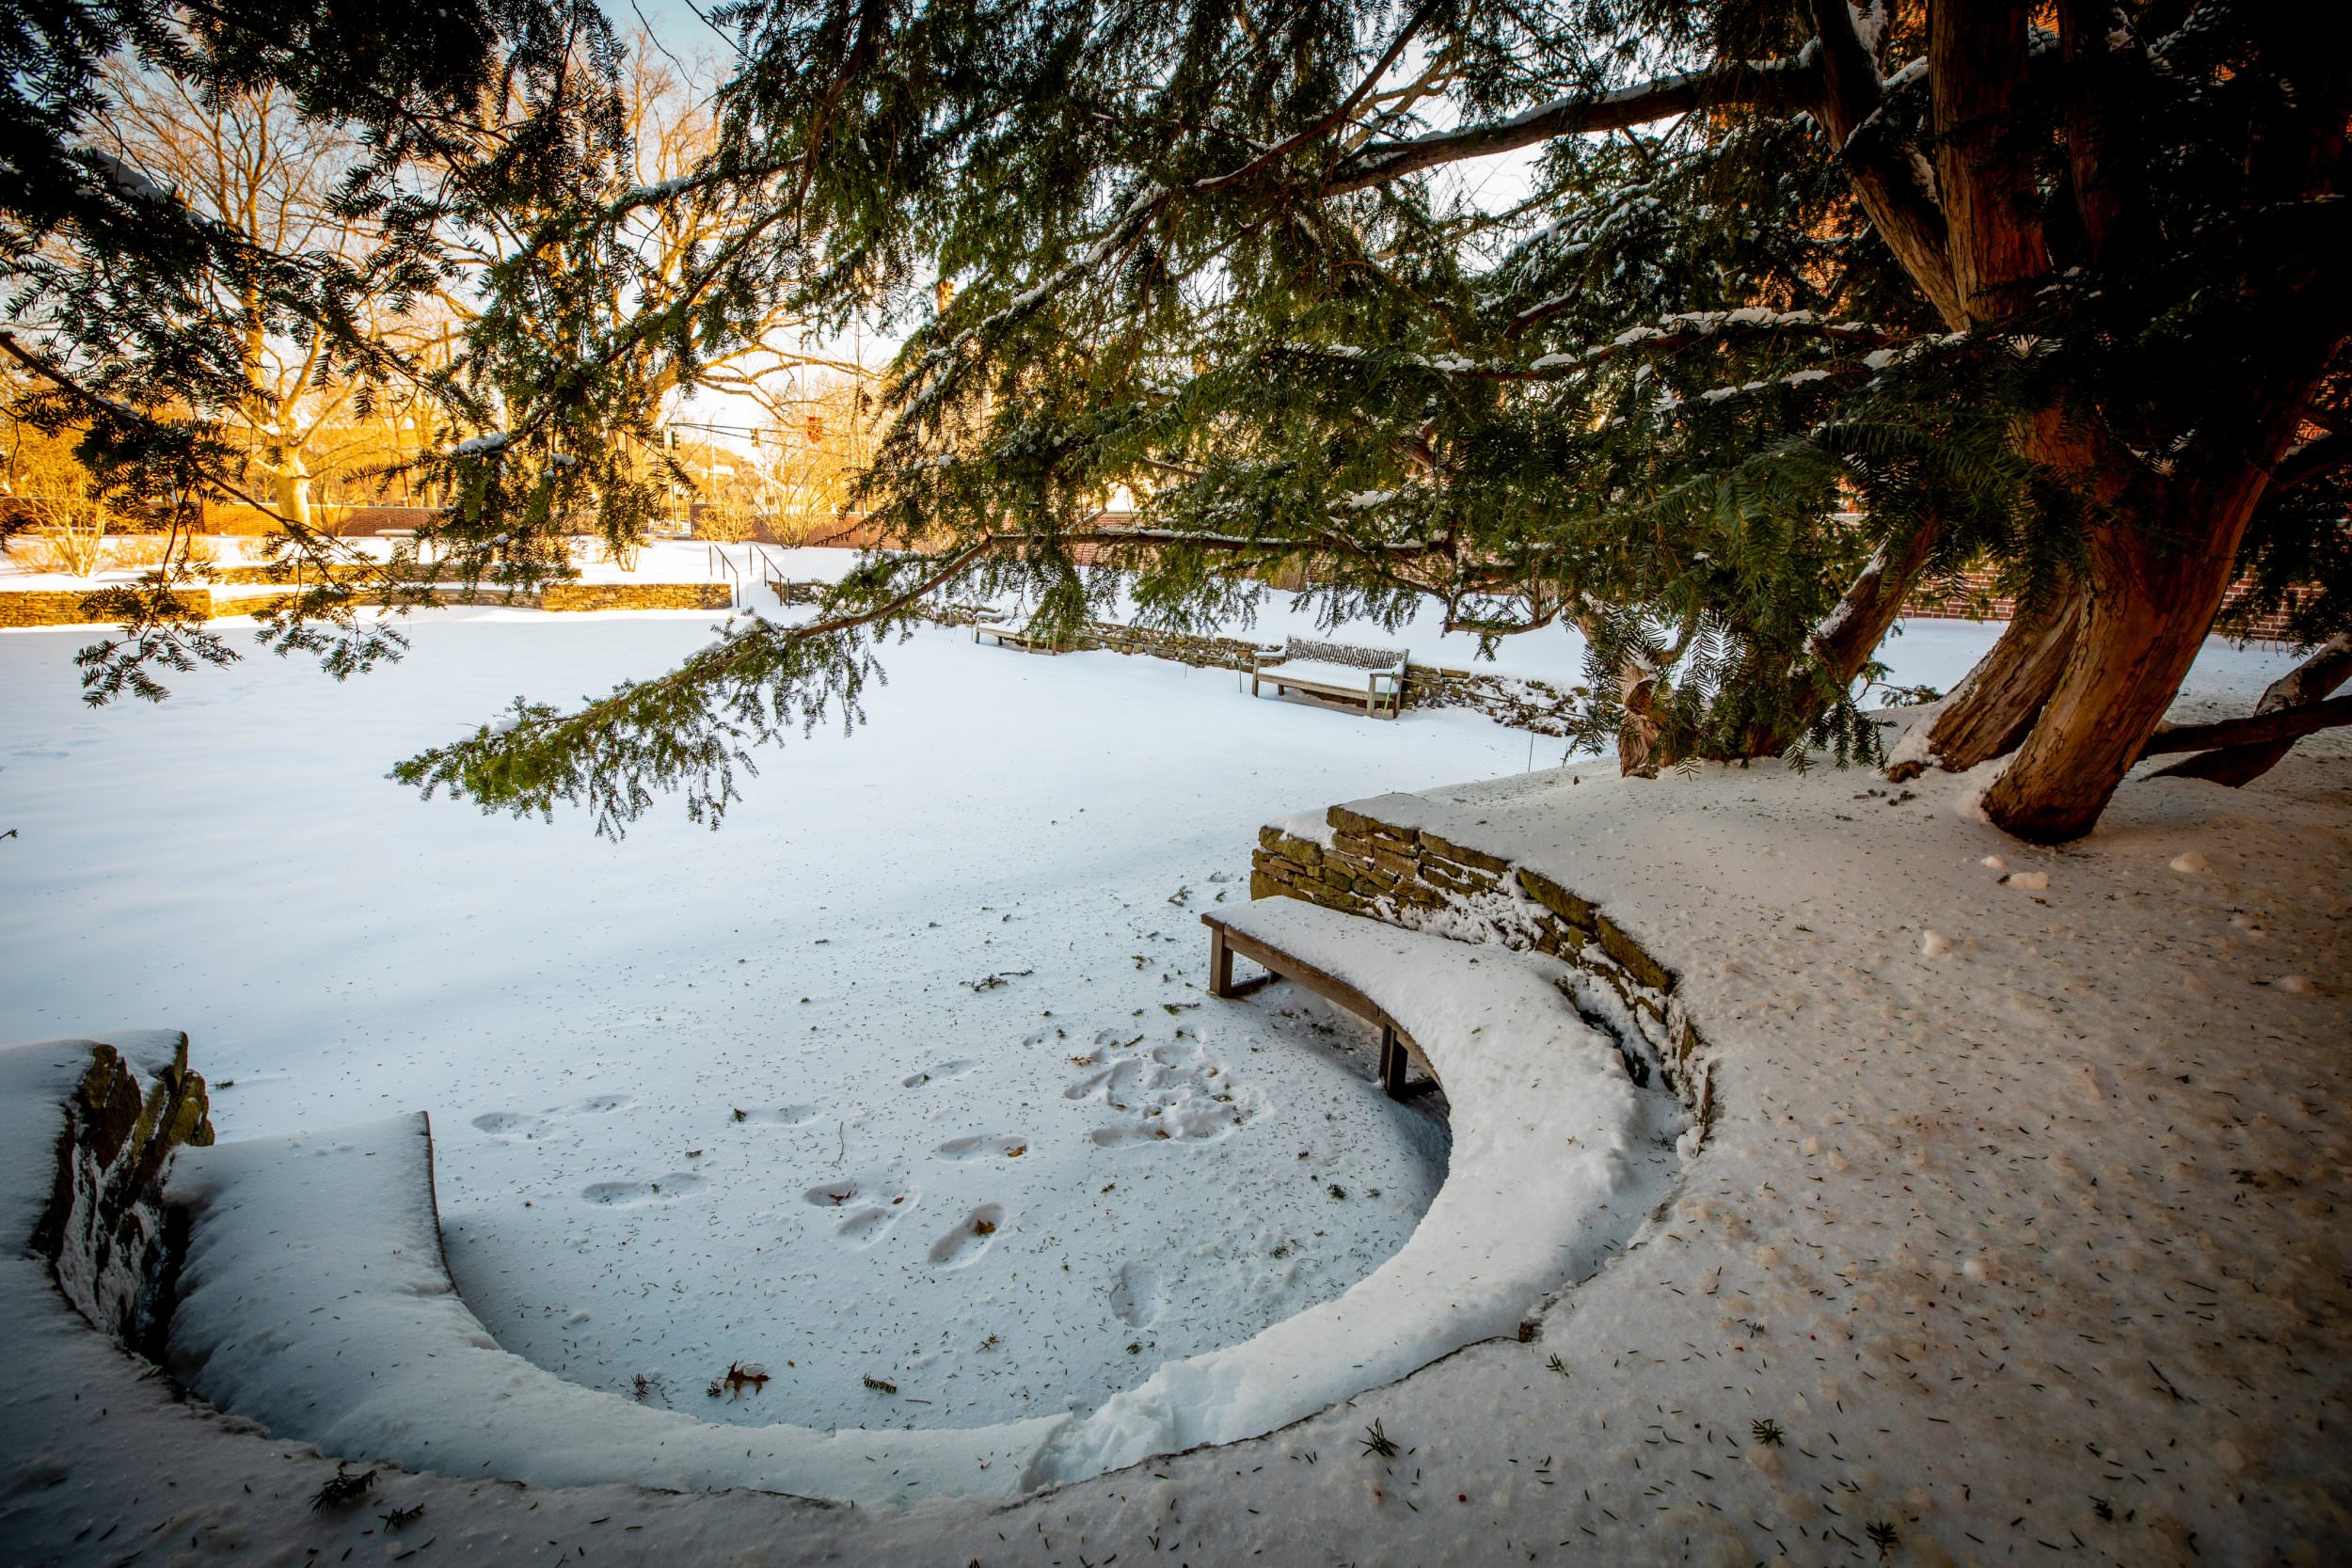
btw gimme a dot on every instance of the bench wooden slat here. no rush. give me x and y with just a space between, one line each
1378 665
1224 942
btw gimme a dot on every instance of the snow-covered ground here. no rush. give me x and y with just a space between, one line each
748 1095
234 865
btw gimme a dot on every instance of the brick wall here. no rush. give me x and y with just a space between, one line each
1971 597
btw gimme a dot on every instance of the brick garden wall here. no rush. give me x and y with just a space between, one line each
1971 597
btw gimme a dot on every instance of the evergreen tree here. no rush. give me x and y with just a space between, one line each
1809 302
136 306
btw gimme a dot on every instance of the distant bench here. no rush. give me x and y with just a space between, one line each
1345 671
1224 942
1010 635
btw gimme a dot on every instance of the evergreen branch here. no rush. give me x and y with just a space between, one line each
1686 329
1335 118
1781 85
688 729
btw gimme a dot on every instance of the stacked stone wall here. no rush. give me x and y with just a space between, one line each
81 606
1408 877
78 607
254 603
636 595
105 1233
1515 701
310 573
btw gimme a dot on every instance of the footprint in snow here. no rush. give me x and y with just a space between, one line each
1120 1137
1136 1296
637 1194
512 1124
1113 1083
597 1105
778 1116
865 1207
971 1237
980 1146
1173 1091
939 1074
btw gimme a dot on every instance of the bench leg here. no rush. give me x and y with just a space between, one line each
1220 965
1392 1063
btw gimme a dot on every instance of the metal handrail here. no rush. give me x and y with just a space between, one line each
735 591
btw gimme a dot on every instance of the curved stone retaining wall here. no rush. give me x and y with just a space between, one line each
1406 877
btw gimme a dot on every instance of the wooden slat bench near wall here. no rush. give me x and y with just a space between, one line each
1395 1044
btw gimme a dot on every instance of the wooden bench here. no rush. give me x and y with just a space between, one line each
1009 636
1351 673
1395 1044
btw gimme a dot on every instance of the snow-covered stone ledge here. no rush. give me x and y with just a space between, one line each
2015 1232
1369 859
105 1232
2017 1237
313 1298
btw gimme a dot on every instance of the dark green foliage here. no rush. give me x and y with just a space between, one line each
1677 392
462 113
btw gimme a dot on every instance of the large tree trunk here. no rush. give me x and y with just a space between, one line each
1637 735
1992 710
1984 150
1852 631
291 487
2155 585
2308 682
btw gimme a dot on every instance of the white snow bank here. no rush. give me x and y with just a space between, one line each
1551 1171
315 1299
842 965
1314 826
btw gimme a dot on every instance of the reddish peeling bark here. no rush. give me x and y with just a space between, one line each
1983 154
1992 710
1890 181
2309 681
2155 585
